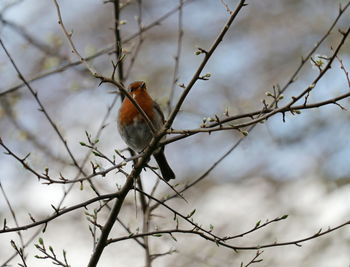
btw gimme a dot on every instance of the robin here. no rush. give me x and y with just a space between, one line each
134 129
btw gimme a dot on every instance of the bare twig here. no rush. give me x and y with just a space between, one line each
346 73
59 212
255 259
220 242
32 40
12 211
50 254
118 40
20 252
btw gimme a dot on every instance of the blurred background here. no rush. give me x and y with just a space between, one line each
299 167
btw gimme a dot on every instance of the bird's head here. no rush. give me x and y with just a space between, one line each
137 87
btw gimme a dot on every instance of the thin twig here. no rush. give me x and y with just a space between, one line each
59 212
177 56
12 211
118 40
220 242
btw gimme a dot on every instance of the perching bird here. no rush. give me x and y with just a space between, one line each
133 127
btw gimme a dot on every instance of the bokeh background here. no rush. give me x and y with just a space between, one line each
299 167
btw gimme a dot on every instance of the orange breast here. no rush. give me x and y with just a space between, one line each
128 112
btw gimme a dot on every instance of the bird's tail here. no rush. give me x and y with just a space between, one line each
164 167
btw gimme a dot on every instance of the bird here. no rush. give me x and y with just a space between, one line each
134 129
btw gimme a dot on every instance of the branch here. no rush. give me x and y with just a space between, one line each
58 213
269 113
32 40
118 40
221 242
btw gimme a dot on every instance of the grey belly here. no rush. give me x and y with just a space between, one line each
135 136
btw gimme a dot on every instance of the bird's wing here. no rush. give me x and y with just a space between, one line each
158 109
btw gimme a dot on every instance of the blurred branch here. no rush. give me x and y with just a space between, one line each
42 108
32 40
20 252
10 5
13 213
145 228
177 56
101 52
346 73
29 135
140 40
118 41
169 252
